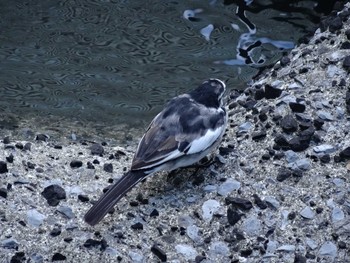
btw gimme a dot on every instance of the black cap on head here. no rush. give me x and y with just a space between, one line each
209 93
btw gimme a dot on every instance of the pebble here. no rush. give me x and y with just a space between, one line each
37 258
76 164
239 203
245 127
209 208
210 188
228 187
233 216
311 243
3 167
324 148
97 149
289 124
337 214
328 249
252 226
187 251
219 248
66 211
307 213
108 167
136 257
34 218
156 250
58 257
53 194
10 243
325 115
291 156
302 164
3 192
272 201
272 92
192 233
286 248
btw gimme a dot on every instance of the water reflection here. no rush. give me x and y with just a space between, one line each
117 62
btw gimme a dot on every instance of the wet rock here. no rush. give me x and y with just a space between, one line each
307 213
156 250
3 167
289 124
53 194
187 251
34 218
76 164
209 208
228 187
97 149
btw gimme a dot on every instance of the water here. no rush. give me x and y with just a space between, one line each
107 66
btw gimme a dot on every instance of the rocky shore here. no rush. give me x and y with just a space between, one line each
278 191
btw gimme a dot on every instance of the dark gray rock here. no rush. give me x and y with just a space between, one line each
3 167
53 194
97 149
289 124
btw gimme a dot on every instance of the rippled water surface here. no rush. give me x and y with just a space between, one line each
111 63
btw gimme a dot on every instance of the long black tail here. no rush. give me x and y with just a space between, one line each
106 202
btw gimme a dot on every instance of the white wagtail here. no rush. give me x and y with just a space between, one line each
189 127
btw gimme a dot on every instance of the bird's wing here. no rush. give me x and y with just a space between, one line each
183 128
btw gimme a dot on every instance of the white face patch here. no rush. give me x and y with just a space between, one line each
202 143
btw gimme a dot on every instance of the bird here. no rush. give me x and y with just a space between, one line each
189 127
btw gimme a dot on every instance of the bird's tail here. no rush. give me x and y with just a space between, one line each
106 202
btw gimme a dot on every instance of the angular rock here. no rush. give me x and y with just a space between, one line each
156 250
271 92
289 124
97 149
307 213
297 107
3 167
233 215
53 194
239 203
34 218
209 208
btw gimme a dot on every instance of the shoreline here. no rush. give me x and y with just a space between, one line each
278 191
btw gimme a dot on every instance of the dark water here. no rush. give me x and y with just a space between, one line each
108 64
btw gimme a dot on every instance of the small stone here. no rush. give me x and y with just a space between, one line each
187 251
289 124
219 248
346 63
66 211
83 198
53 194
252 226
337 214
297 107
311 243
97 149
55 232
193 233
345 154
307 213
291 156
137 226
34 218
3 167
92 243
233 216
156 250
3 192
256 136
209 208
342 245
324 148
108 167
300 259
328 249
283 174
239 203
271 92
27 146
324 115
284 61
10 243
58 257
259 202
18 257
10 158
42 137
228 186
272 202
302 164
76 164
286 248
